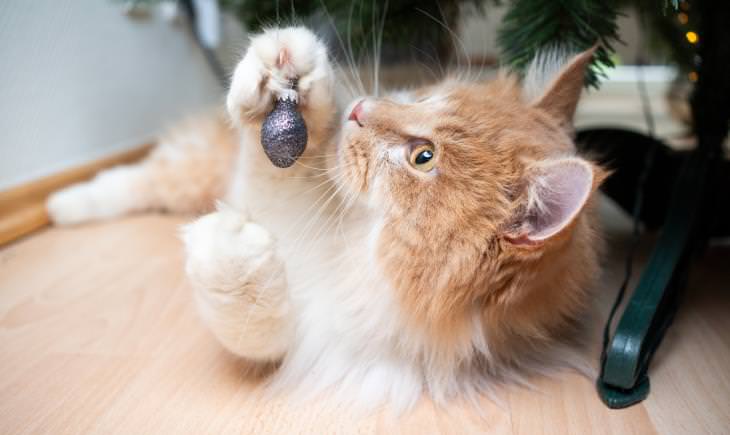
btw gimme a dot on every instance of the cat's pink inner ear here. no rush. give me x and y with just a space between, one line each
558 192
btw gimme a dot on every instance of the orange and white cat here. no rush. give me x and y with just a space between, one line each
438 240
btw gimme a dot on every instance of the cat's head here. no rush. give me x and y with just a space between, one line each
469 181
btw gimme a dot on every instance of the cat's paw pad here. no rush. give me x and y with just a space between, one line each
273 59
226 252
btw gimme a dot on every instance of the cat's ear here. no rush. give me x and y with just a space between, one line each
557 191
555 86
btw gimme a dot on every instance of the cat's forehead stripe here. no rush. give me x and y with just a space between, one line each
437 101
402 96
419 130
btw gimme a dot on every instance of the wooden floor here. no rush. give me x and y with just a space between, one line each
98 335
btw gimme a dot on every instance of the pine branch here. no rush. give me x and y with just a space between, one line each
573 25
407 22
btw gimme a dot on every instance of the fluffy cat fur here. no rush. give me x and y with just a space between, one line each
356 271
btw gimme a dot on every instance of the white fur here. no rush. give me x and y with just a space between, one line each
543 69
112 193
246 99
347 333
233 267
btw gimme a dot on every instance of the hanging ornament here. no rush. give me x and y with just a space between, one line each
284 133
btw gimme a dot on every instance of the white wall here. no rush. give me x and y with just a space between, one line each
80 80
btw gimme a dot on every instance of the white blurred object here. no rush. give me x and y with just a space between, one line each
208 22
617 103
136 9
170 11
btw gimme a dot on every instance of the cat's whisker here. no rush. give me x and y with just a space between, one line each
309 177
313 168
354 80
262 288
430 70
314 203
325 181
350 199
456 40
316 166
336 185
316 156
327 222
328 172
350 64
377 46
304 234
325 170
349 47
337 191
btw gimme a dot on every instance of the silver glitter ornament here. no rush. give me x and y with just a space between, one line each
284 133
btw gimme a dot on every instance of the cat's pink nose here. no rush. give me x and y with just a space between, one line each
357 113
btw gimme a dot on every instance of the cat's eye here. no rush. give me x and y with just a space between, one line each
422 156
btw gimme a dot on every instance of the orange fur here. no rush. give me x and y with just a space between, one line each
446 242
190 175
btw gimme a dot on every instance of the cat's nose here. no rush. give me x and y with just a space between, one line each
358 113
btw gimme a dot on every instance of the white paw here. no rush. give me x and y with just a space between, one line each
227 254
239 284
272 60
72 205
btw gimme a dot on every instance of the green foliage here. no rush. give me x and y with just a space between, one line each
407 23
428 26
575 25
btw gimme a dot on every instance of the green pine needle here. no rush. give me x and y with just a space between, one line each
575 25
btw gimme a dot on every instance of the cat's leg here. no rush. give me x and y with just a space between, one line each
186 172
111 193
271 61
239 284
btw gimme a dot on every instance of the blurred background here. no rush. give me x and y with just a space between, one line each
90 78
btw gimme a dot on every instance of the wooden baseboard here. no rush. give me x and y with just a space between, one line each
23 208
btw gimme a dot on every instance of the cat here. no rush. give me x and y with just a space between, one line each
439 240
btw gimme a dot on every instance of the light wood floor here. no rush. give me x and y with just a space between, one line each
98 335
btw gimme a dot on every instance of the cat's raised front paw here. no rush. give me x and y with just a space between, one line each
273 59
